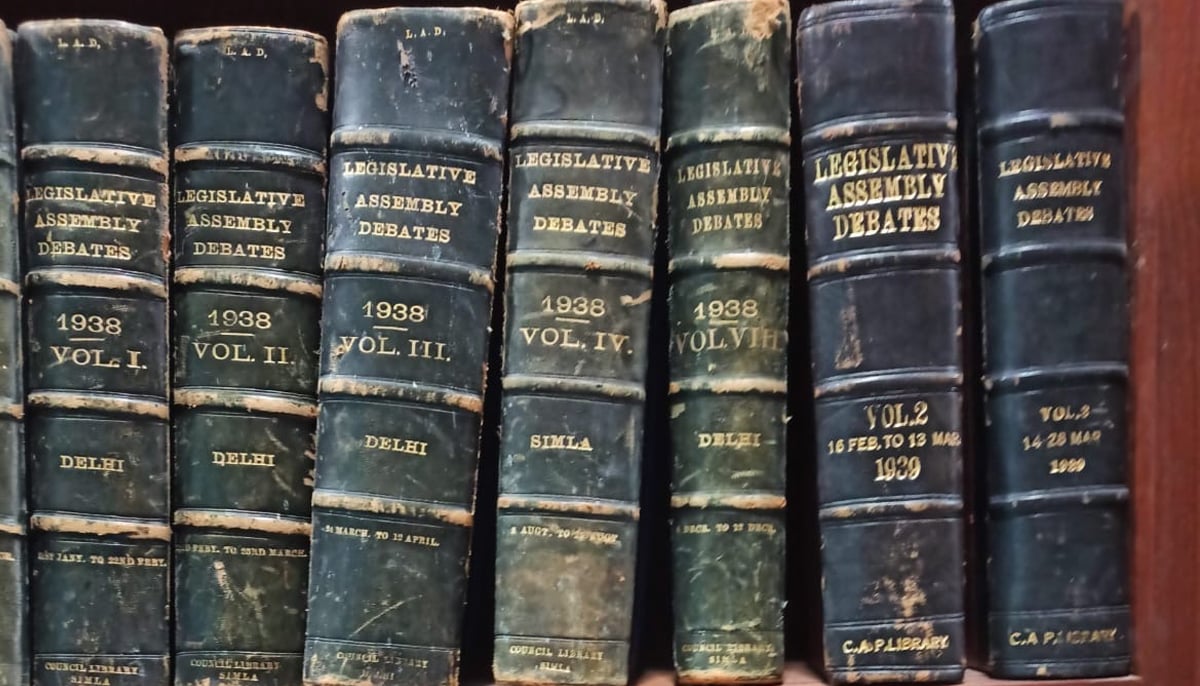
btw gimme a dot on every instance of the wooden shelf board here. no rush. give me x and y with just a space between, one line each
799 674
975 678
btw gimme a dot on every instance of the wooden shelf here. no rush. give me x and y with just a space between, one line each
975 678
799 674
1163 57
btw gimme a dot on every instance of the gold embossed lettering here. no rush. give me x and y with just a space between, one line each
582 160
583 193
91 463
237 222
728 439
222 352
396 444
408 203
229 196
232 458
96 357
896 644
436 172
256 251
412 232
560 442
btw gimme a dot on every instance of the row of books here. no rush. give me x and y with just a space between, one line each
242 408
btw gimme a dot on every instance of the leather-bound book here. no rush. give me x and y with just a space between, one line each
93 106
881 173
728 115
416 178
1054 276
250 128
583 177
14 605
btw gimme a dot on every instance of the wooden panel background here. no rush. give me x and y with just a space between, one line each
1164 116
1164 134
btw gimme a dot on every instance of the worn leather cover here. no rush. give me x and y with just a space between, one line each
95 231
14 606
250 132
414 221
1052 219
582 200
877 98
728 93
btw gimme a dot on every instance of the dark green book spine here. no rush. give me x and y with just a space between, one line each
583 178
95 233
416 179
1056 321
14 606
251 124
881 173
728 114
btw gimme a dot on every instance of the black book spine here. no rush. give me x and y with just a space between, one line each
95 232
1054 263
583 181
250 131
414 222
14 606
877 96
728 115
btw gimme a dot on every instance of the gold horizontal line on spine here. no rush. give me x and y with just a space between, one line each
831 133
10 286
574 259
575 385
1035 376
384 264
1022 123
13 410
249 278
356 502
244 400
736 134
13 529
256 153
97 526
915 506
949 379
581 507
98 154
741 260
223 33
400 391
56 276
750 384
738 502
396 139
437 650
584 131
841 264
98 402
265 523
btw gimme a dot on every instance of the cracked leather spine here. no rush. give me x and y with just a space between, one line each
583 175
1055 294
14 593
415 192
250 129
728 115
877 97
93 112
